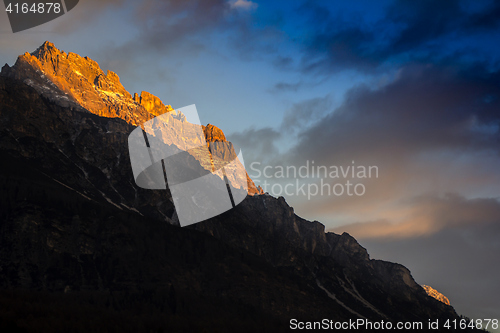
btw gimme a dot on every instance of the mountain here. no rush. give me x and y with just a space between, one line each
82 248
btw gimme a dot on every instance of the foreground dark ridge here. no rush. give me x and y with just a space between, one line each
83 248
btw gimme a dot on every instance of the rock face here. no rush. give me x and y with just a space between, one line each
214 134
151 103
82 248
436 294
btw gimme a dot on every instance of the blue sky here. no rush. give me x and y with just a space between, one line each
412 87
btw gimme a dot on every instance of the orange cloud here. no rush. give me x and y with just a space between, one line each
426 215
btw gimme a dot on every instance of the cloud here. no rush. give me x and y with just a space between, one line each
426 109
423 31
188 29
243 4
430 130
303 114
85 13
164 24
284 86
429 214
283 62
258 145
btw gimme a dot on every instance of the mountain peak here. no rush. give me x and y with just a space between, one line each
79 82
47 52
45 47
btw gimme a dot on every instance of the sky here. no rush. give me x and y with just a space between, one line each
407 89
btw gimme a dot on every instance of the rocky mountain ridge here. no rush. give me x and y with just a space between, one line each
77 236
71 80
78 83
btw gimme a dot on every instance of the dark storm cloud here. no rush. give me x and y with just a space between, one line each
303 114
258 145
328 39
186 30
156 26
87 11
166 24
430 130
283 62
487 19
422 22
284 86
424 109
409 31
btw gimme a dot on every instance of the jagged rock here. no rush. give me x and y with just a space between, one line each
151 103
69 79
436 294
214 134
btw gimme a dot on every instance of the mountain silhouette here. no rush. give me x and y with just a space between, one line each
82 248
